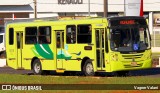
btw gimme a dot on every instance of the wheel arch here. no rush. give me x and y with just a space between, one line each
83 62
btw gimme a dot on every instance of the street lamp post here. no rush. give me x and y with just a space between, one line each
35 8
105 13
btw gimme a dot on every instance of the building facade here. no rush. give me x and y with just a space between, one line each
11 9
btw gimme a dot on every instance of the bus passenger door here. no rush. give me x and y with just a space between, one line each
19 45
60 47
100 59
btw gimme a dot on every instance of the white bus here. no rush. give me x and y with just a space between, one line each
2 42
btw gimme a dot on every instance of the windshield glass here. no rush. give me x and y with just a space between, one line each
129 38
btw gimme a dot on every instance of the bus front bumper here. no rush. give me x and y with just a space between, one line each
123 66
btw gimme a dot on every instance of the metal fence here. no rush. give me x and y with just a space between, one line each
155 39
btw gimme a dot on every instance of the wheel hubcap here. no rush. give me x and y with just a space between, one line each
89 68
37 68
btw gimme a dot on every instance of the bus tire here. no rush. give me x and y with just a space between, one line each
37 67
88 69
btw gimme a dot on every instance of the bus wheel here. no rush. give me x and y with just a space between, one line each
37 68
88 69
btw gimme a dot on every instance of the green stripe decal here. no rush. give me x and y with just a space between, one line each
44 51
35 52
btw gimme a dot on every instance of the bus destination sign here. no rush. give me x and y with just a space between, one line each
127 22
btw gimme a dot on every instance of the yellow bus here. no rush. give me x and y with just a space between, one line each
114 44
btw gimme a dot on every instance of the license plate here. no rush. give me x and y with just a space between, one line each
134 63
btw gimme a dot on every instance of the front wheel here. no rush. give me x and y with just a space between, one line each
88 69
37 68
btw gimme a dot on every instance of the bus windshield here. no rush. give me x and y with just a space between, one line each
129 38
129 34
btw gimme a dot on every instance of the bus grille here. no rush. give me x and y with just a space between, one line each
137 56
130 66
127 59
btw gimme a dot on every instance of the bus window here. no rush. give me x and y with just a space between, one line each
1 38
126 37
58 40
143 37
106 41
84 34
31 35
44 35
18 41
116 37
11 36
71 34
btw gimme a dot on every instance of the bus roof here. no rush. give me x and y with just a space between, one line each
64 21
125 17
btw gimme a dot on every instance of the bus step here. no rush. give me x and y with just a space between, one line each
60 70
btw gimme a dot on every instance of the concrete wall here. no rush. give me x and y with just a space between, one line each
95 5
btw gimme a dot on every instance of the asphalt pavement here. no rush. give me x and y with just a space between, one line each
146 72
9 70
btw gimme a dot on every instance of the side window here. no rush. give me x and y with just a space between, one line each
106 41
1 38
44 35
84 34
11 36
58 39
71 34
31 35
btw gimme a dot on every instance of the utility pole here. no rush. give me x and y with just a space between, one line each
105 8
35 8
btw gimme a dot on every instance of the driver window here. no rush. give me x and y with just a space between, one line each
116 37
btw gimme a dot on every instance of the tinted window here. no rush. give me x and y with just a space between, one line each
1 38
84 34
11 36
44 35
31 35
71 34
